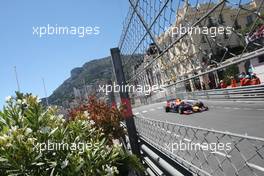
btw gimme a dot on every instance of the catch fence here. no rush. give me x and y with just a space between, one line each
204 151
172 41
160 45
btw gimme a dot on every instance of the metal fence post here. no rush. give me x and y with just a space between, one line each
120 78
112 100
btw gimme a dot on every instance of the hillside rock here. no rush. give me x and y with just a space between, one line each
92 72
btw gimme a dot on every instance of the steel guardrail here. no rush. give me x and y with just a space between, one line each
255 92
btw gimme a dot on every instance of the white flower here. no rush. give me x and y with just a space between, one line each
52 117
8 144
28 130
64 163
60 116
92 122
19 102
86 114
115 170
111 170
31 140
84 123
13 128
38 100
20 137
8 98
3 138
24 101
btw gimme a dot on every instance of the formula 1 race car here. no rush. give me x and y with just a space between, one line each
185 106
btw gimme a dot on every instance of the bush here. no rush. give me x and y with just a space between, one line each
102 116
230 71
30 137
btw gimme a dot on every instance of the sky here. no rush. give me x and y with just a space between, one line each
52 57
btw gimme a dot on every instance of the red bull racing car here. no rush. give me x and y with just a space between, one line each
185 106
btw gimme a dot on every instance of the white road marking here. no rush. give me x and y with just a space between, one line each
247 109
136 113
236 108
152 109
144 112
256 166
222 154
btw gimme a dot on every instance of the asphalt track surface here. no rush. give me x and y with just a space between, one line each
241 117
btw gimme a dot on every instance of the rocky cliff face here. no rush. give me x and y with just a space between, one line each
92 72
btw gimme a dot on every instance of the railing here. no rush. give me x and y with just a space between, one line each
209 152
244 93
255 92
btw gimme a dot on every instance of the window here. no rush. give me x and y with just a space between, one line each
261 59
249 20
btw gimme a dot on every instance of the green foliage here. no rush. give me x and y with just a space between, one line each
27 130
231 71
248 28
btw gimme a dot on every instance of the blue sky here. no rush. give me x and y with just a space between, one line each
53 57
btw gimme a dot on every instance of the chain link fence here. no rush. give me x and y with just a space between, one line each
204 151
168 42
183 44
